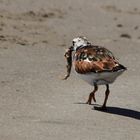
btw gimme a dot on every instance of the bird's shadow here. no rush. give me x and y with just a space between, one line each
117 111
123 112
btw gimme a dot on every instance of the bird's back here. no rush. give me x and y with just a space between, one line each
96 64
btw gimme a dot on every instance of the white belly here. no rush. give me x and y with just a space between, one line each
100 78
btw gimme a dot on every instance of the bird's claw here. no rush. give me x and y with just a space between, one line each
88 102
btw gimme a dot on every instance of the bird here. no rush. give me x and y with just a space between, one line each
94 64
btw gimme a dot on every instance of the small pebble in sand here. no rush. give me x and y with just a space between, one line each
45 41
119 25
136 27
125 36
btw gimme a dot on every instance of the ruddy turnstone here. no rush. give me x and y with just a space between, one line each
94 64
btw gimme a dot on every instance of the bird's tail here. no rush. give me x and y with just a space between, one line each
119 67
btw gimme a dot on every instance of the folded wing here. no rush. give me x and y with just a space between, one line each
95 59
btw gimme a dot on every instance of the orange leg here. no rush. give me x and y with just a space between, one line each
106 97
92 95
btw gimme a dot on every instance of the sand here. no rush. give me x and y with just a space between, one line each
35 104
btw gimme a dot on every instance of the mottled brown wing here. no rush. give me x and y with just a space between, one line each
94 59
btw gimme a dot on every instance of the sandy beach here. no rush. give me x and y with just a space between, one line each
35 104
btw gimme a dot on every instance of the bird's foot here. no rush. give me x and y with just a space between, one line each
91 97
88 102
94 99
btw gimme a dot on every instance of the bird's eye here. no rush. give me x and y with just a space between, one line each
73 43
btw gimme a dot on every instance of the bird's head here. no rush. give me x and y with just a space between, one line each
79 42
76 43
